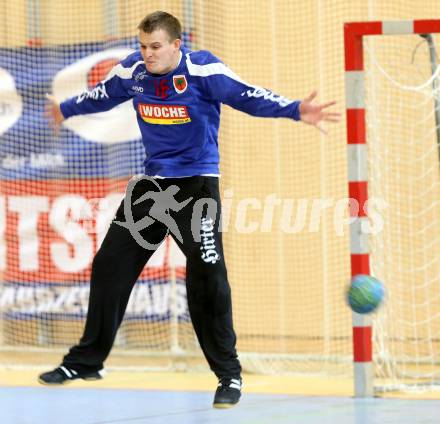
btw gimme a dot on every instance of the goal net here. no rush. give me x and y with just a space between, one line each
403 137
284 188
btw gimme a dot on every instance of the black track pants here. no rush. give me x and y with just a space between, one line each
119 261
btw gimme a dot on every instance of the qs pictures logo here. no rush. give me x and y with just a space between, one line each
79 79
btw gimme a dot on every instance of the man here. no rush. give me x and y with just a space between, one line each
177 95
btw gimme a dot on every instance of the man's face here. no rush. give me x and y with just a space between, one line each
160 54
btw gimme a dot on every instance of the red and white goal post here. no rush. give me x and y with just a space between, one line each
359 164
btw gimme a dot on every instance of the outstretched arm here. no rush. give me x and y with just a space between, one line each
104 96
222 84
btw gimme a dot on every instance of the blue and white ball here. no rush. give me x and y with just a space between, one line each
365 294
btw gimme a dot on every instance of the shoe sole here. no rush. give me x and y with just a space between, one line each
45 383
224 405
92 378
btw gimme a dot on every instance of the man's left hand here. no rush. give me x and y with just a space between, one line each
316 114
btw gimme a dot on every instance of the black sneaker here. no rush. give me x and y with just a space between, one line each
63 375
228 392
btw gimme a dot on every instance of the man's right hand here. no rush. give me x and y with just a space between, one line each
53 113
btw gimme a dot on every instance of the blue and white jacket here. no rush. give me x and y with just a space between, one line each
179 113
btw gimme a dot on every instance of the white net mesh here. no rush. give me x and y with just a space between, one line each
403 140
59 192
288 276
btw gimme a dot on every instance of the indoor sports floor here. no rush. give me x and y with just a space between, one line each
183 398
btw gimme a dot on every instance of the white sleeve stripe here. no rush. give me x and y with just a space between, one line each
213 69
121 72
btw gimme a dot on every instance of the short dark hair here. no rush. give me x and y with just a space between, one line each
161 20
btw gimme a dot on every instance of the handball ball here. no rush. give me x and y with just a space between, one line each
365 293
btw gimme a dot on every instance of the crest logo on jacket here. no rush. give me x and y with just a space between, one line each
180 83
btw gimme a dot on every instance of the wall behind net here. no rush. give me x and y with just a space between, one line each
288 261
